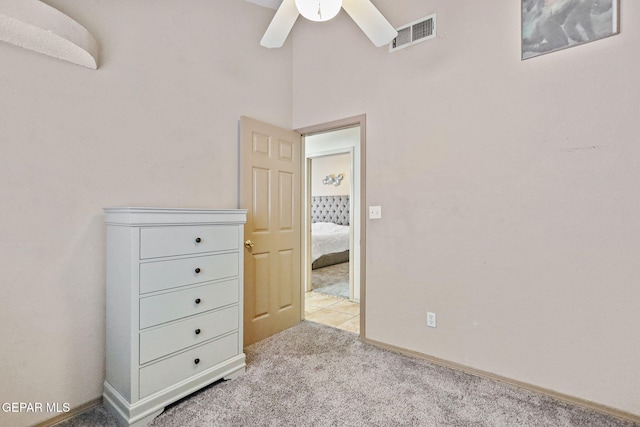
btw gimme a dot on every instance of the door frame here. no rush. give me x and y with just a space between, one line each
359 120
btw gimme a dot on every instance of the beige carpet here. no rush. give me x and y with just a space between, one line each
314 375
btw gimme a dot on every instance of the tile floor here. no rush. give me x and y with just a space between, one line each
332 311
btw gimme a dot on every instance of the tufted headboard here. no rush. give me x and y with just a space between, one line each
330 209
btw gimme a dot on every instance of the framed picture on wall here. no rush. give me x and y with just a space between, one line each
551 25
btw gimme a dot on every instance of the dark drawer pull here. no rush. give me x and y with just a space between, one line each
198 270
198 300
198 240
196 361
197 331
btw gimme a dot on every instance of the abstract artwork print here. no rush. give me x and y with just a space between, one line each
551 25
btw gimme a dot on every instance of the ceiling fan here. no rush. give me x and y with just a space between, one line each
363 12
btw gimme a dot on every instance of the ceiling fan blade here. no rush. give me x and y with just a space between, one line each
371 21
281 25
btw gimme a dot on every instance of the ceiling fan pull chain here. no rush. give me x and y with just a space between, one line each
319 10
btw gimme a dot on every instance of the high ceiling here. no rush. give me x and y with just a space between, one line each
272 4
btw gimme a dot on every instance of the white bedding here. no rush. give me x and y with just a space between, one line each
327 238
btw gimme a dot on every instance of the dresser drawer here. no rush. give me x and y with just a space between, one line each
159 275
158 242
176 305
194 330
177 368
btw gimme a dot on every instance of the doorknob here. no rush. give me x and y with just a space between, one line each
248 244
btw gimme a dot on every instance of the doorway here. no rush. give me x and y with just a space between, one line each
275 279
332 171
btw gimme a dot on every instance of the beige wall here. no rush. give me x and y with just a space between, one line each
156 125
508 187
332 166
517 179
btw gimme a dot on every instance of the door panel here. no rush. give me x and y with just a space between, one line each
261 196
261 285
270 188
287 201
285 266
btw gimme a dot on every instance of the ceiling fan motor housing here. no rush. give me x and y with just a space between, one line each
319 10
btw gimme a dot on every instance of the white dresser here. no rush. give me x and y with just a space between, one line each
174 306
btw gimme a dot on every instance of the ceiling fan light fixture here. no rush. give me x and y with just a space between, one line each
363 13
319 10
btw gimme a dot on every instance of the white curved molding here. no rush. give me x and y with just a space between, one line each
36 26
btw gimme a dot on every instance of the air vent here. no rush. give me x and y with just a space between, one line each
414 32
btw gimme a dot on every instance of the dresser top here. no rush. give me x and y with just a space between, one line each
140 216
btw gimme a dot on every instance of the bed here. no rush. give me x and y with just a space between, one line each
329 230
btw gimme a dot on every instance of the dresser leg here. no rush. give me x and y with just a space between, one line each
144 422
119 412
234 375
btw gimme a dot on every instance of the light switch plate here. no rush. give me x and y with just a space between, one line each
375 212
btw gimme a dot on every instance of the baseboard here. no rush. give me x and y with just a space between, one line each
72 413
603 409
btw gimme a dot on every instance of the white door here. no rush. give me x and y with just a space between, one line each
270 188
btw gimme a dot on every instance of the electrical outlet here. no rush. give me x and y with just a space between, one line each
431 319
